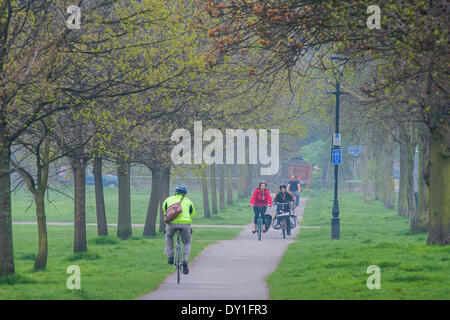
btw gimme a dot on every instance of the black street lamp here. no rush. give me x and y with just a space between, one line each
335 220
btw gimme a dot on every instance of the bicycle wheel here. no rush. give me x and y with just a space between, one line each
178 259
283 227
259 228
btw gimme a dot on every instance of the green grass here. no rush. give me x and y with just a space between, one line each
316 267
60 207
111 269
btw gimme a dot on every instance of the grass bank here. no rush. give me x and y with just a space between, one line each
111 269
316 267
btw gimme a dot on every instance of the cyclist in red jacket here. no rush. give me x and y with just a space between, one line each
259 201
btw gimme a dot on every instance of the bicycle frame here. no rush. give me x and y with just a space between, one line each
259 226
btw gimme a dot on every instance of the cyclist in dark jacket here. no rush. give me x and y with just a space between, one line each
283 200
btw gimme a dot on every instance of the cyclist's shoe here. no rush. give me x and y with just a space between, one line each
253 231
185 267
264 230
170 260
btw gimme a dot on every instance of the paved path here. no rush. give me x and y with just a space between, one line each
68 224
230 269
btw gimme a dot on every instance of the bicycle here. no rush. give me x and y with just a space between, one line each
285 218
178 261
259 225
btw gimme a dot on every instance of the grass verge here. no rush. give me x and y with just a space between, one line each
316 267
111 269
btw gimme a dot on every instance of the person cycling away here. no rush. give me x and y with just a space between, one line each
283 199
181 223
294 188
259 201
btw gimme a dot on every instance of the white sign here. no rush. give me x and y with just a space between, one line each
336 139
354 150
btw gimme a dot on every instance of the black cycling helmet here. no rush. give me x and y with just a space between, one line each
262 182
181 190
283 186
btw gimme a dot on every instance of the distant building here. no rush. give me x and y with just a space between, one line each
301 169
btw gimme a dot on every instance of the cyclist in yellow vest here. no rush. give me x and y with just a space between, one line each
182 223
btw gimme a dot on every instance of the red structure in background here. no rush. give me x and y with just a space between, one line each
302 170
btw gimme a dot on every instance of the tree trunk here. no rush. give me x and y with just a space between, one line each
79 175
365 175
423 211
124 230
402 209
6 236
213 189
251 180
222 187
439 231
378 175
406 199
206 210
165 190
40 263
152 209
102 226
241 180
389 200
325 167
229 184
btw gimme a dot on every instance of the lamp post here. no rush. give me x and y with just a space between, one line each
335 220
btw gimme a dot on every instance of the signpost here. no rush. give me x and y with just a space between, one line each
336 152
354 150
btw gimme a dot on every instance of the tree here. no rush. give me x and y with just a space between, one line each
102 225
213 189
30 67
204 181
410 50
222 187
153 209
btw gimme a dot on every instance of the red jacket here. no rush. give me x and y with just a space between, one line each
260 199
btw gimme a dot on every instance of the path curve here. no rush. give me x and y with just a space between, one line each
230 269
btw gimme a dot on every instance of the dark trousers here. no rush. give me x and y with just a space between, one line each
297 197
259 212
